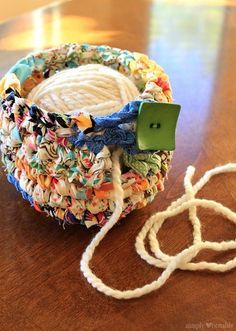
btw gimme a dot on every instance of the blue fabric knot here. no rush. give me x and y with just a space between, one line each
111 136
127 114
107 130
78 140
118 136
16 183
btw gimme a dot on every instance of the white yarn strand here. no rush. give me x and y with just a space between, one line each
181 260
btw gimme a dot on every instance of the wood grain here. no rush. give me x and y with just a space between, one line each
41 287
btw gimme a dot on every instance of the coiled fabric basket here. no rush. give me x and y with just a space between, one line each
61 161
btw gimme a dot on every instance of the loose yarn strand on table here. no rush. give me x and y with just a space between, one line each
150 229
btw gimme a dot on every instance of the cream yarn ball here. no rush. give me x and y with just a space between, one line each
94 88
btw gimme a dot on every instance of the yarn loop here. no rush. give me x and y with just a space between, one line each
150 229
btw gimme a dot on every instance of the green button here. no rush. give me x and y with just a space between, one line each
156 126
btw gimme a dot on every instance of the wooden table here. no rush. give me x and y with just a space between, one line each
41 287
